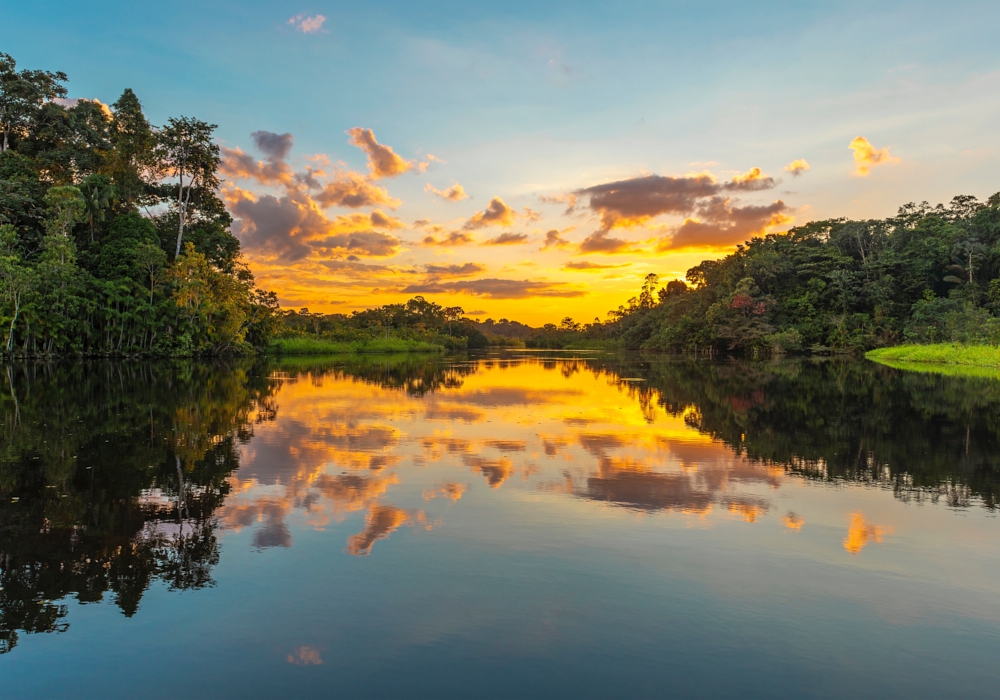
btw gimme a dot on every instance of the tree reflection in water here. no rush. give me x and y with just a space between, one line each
117 475
109 479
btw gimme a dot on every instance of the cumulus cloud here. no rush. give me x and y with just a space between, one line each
634 202
751 180
603 242
382 160
554 239
532 215
587 266
628 203
352 190
507 239
452 239
455 193
306 24
289 227
466 270
496 288
372 243
721 225
797 167
497 213
73 102
273 170
866 156
275 147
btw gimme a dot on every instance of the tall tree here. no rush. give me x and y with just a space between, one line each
186 151
132 154
22 94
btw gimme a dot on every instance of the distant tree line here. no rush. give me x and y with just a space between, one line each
928 274
417 319
113 239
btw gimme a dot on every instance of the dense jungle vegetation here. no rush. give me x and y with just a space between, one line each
928 274
113 239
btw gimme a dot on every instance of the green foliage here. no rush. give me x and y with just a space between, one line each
81 271
929 274
940 353
418 323
318 346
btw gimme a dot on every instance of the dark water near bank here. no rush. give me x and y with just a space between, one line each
516 525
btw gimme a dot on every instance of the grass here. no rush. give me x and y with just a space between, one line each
318 346
943 358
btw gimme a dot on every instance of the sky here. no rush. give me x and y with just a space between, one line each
534 161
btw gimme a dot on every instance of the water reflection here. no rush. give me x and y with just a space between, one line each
115 476
110 477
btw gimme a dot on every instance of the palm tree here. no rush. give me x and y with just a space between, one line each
98 194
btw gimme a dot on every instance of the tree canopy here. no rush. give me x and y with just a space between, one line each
113 236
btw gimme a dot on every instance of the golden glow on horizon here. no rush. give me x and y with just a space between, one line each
527 260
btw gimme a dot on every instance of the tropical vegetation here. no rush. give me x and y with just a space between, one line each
113 239
930 274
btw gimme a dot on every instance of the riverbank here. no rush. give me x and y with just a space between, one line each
942 358
318 346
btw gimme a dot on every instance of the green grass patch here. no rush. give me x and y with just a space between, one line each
951 359
318 346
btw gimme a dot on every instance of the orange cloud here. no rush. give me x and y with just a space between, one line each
532 215
466 270
507 239
797 167
273 170
455 238
725 225
291 226
587 266
866 156
382 160
496 288
353 190
630 203
602 242
753 179
553 239
859 533
634 202
497 213
455 193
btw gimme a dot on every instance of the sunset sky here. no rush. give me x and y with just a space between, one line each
536 160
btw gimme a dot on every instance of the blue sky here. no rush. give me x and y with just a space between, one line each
528 99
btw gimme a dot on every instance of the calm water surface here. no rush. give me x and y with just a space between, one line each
508 525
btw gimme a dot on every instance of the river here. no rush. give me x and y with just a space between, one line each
529 524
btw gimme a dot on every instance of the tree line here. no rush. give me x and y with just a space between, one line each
113 239
928 274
